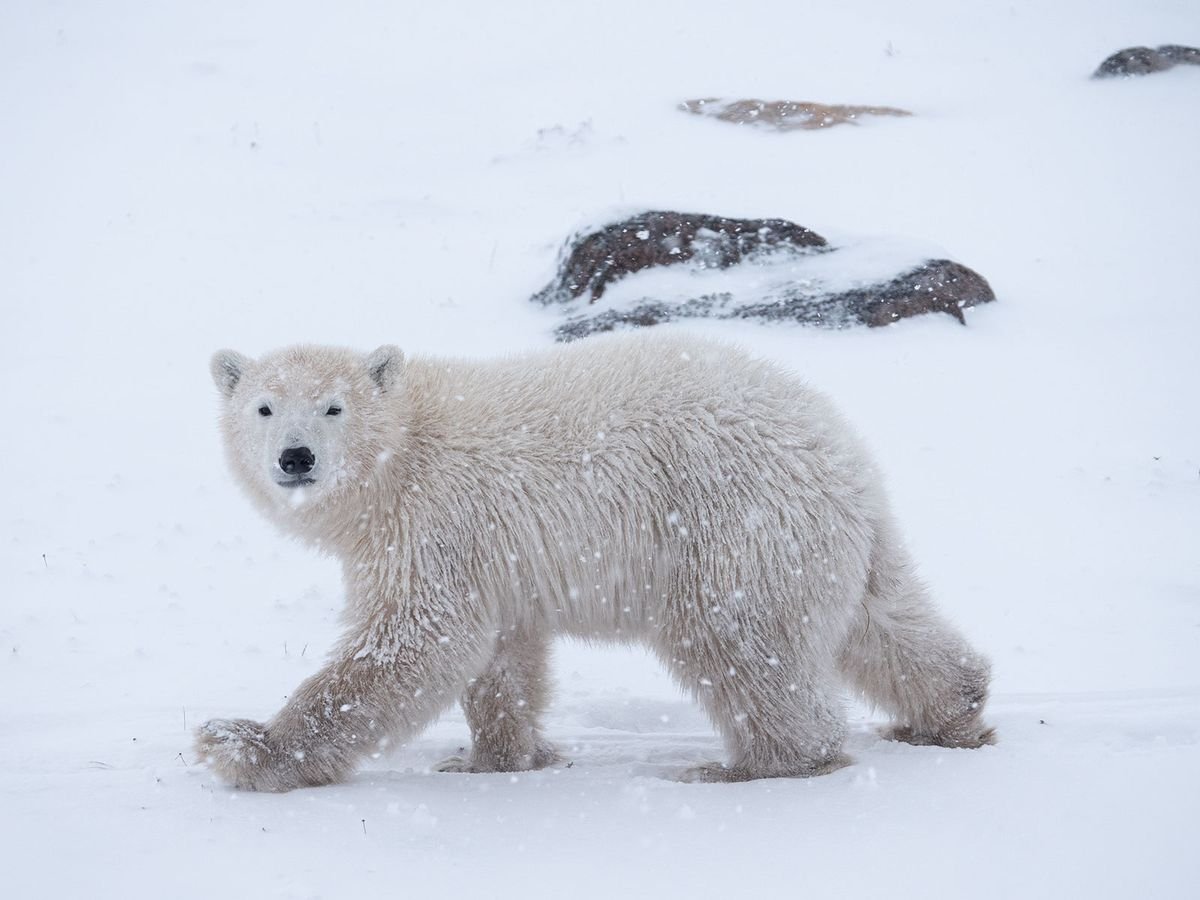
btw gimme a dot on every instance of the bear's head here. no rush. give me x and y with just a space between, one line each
305 425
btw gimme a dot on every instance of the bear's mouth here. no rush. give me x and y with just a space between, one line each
301 481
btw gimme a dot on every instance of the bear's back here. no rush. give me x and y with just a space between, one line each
610 382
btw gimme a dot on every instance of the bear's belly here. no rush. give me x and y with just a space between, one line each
613 589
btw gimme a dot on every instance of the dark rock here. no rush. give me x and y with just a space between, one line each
937 285
597 259
785 115
1180 54
1145 60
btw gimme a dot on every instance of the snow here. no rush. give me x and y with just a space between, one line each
179 178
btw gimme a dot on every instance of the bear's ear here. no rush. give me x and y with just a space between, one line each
385 365
227 368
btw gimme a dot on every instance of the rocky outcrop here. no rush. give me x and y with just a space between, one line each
595 259
785 115
1146 60
938 285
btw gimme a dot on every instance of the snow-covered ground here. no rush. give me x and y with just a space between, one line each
179 177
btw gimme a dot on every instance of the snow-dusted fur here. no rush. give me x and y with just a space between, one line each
635 488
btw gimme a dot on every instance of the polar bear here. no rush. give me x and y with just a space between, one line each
662 490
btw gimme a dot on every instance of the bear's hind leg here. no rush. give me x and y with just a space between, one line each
775 704
503 705
904 657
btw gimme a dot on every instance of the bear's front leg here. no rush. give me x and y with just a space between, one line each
386 682
503 704
241 753
315 739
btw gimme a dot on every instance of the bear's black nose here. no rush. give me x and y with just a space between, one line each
297 461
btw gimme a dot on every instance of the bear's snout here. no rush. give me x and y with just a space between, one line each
297 461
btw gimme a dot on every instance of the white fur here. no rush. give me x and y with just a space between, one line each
632 488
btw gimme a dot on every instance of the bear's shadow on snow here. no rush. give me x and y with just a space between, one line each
640 736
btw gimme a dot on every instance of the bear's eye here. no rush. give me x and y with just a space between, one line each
264 410
333 411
